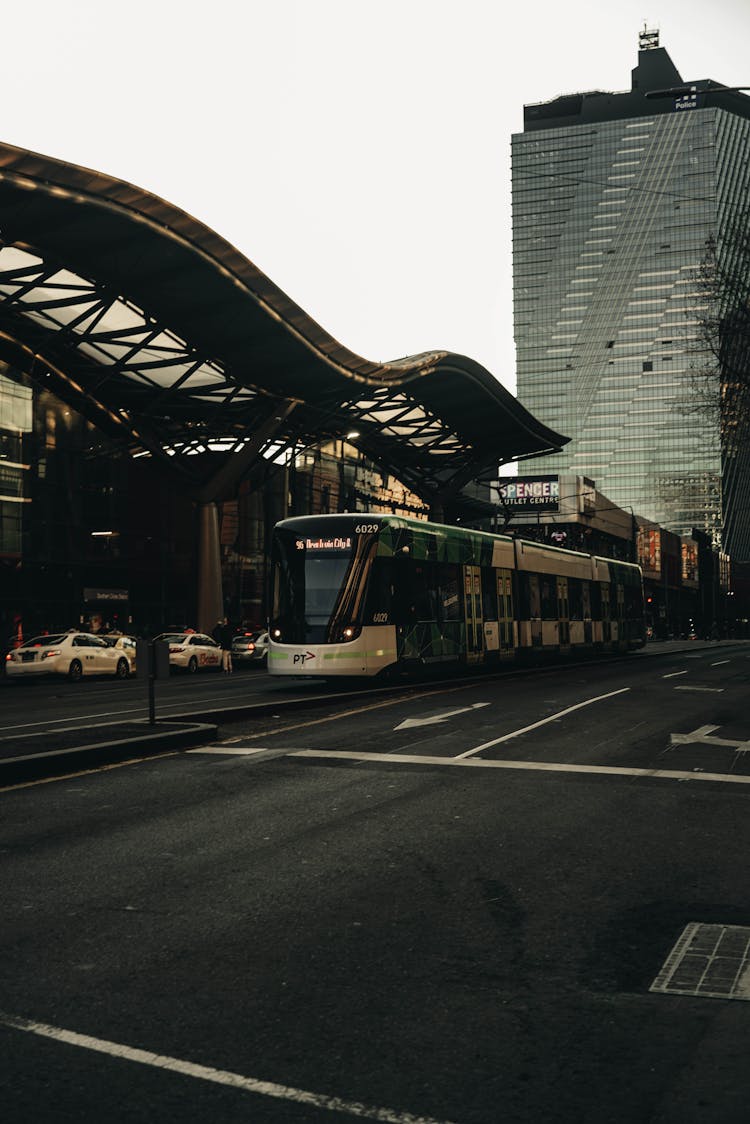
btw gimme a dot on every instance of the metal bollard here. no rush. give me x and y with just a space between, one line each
152 663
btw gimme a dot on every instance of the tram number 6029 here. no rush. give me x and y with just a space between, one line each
366 529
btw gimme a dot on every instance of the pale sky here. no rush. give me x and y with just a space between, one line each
357 152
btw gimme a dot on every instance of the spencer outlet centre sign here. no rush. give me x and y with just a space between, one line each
527 493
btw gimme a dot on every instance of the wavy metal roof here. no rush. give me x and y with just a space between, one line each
163 333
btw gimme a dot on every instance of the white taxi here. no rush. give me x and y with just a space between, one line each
192 651
71 653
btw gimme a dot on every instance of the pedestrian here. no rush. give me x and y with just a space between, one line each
223 634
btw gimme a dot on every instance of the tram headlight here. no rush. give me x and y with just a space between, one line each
276 633
348 633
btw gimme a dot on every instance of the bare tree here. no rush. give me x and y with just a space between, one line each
722 370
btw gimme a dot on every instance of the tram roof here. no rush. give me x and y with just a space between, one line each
167 337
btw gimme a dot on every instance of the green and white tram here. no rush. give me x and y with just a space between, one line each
363 595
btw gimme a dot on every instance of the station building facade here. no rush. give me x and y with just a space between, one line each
163 403
93 536
691 587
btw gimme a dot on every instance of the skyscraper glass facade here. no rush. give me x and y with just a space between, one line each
615 199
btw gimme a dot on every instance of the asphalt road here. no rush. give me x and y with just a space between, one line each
446 906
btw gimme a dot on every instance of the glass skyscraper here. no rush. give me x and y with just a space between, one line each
616 199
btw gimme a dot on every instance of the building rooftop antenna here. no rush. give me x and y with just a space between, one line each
648 39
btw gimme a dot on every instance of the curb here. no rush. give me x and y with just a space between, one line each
51 763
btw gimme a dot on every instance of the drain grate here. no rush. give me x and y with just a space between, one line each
708 961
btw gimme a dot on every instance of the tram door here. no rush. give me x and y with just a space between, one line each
505 614
563 613
473 613
619 621
606 619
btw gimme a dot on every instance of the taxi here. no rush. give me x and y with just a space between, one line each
192 651
73 654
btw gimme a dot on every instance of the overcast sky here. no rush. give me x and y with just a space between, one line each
358 153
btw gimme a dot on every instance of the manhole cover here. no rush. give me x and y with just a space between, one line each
711 961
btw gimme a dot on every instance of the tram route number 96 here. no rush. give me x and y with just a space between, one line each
366 529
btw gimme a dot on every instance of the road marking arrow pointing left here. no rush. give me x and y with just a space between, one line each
433 720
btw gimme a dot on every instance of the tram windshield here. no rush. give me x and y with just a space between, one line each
324 575
318 584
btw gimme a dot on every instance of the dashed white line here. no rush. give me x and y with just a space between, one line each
674 674
228 750
708 690
217 1076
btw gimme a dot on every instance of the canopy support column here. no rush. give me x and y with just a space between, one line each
210 601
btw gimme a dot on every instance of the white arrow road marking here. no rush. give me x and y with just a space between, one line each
696 736
703 735
408 723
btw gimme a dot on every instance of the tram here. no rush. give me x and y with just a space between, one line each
368 595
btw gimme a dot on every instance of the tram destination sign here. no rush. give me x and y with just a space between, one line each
531 493
332 542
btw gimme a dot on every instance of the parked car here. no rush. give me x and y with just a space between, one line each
125 644
71 653
192 651
250 648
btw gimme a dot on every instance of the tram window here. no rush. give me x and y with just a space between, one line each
324 576
596 601
448 592
633 601
548 596
380 591
604 601
575 599
403 589
489 595
425 593
586 600
529 596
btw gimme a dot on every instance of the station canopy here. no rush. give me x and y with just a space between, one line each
174 344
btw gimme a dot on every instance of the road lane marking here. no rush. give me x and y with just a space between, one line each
708 690
542 722
531 766
695 736
409 723
703 735
364 709
720 662
228 750
217 1076
674 674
